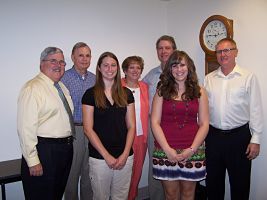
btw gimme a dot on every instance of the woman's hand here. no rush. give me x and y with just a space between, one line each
172 155
185 155
121 161
111 161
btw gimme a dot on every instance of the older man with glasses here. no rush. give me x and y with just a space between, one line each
45 129
236 123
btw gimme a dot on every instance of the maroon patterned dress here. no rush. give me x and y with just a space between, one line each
179 124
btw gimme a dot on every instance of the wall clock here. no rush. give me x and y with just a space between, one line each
215 28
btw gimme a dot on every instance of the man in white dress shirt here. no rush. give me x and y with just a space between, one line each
236 123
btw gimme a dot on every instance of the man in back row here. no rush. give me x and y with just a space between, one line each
165 46
78 80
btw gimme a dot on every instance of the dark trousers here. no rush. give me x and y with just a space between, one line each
227 151
56 159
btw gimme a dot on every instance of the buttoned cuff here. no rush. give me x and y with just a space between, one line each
32 161
255 138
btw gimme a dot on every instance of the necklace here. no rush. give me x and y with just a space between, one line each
175 114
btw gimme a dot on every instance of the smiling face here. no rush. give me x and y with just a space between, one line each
164 50
53 67
226 53
108 68
179 71
133 72
81 59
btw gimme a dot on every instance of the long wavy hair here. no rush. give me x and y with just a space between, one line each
167 86
118 93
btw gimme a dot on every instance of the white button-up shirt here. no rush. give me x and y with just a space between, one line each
234 100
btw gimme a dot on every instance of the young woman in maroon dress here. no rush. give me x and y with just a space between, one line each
180 122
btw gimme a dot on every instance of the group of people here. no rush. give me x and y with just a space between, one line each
77 128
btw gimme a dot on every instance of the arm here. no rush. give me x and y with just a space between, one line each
130 122
256 118
203 123
88 121
27 122
157 130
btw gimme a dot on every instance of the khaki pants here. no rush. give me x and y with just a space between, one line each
107 182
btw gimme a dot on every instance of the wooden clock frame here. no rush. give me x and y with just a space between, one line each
211 63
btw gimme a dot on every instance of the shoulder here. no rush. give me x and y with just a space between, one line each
69 72
91 75
67 75
211 74
143 84
128 91
143 87
154 71
89 91
130 97
151 73
88 97
33 88
244 72
37 82
203 92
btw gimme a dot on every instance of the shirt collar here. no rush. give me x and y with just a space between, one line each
46 78
236 71
79 75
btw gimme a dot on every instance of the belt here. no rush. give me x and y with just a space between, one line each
78 124
45 140
234 130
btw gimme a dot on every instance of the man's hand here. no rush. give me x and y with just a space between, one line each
36 170
252 151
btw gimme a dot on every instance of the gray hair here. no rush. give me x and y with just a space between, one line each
49 51
79 45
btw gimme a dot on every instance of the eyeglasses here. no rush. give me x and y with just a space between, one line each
55 62
225 51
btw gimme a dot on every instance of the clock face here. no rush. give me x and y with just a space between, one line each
214 32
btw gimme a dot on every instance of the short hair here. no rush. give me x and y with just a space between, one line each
132 59
49 51
79 45
226 40
167 38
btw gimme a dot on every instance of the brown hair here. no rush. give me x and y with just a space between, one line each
166 86
167 38
118 93
132 59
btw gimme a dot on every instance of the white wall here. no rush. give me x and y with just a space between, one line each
125 27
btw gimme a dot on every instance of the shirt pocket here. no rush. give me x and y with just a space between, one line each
237 94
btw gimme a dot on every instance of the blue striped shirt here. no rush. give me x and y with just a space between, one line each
77 85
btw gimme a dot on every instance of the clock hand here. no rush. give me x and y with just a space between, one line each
212 35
